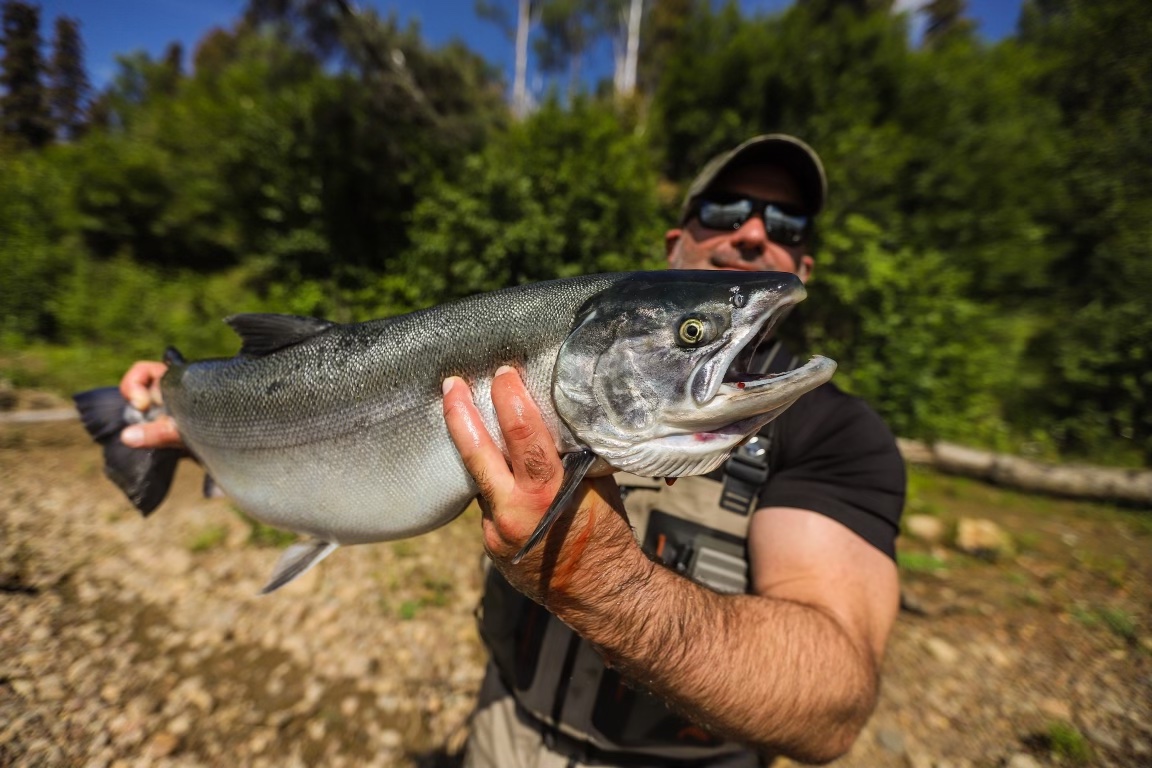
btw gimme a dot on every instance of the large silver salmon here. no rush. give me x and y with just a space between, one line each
337 431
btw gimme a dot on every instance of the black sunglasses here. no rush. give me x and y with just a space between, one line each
731 211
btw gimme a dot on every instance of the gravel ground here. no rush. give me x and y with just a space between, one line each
130 642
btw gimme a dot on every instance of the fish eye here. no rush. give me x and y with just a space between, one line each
692 331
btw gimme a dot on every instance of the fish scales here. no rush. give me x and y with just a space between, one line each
371 395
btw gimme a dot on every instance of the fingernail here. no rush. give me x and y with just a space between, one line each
132 436
448 383
503 369
140 402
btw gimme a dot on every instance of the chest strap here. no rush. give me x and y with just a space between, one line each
746 470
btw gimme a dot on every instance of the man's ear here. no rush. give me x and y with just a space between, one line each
671 238
806 267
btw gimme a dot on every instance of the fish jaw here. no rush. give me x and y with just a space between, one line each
650 404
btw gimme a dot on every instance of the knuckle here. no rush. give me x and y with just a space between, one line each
519 433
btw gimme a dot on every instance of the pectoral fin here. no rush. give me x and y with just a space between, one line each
297 560
576 465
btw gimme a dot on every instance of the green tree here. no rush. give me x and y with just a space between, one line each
68 89
566 192
946 19
23 106
1098 391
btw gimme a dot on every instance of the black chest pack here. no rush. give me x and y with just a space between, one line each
698 528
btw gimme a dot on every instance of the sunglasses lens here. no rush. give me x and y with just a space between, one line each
729 215
783 228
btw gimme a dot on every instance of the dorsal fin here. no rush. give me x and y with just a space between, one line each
264 333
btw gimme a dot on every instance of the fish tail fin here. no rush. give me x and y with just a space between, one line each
297 560
143 474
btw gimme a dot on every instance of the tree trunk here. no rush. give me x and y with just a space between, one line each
628 85
1125 486
520 84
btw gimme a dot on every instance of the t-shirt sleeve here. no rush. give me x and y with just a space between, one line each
834 455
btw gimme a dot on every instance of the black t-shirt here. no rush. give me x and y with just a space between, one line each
832 454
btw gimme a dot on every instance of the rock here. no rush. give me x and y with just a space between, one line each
891 740
1055 709
1023 760
982 538
163 744
925 527
941 651
1104 738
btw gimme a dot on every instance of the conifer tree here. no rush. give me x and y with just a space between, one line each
69 87
946 19
23 107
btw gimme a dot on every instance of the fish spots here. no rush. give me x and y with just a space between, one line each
738 300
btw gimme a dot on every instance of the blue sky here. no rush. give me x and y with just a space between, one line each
111 27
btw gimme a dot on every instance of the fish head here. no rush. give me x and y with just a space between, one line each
654 376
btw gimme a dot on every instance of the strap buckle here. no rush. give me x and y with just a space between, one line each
744 473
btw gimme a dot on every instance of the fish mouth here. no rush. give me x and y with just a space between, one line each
735 395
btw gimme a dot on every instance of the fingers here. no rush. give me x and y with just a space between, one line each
531 449
160 433
481 455
141 384
141 387
514 497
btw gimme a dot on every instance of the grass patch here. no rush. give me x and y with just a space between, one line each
1067 743
209 538
262 535
403 548
920 562
1117 620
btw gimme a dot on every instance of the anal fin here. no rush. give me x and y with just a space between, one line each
297 560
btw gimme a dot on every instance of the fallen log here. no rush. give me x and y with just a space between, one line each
1077 481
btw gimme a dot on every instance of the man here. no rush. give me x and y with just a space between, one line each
751 609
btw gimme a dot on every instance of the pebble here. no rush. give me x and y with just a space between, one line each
1055 709
891 740
982 538
927 528
1023 760
941 651
163 744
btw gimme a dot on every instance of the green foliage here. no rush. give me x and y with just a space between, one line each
1093 351
564 193
1067 743
907 337
36 249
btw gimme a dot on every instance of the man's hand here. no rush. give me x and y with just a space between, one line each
515 493
141 387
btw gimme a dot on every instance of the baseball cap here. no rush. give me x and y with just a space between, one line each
788 152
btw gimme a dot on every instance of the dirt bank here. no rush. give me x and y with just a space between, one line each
143 642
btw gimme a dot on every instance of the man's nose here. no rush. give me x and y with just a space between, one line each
751 239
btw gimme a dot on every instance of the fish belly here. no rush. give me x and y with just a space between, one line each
374 484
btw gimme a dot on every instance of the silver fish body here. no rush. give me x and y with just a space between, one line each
337 431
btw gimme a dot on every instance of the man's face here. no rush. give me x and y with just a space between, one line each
698 247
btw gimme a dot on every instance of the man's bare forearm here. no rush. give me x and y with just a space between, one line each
780 676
